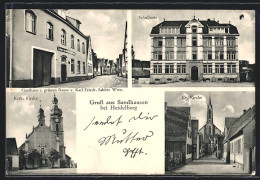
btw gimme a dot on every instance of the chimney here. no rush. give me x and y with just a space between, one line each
229 22
208 19
214 19
244 111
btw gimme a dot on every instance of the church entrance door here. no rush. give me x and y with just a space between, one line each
194 73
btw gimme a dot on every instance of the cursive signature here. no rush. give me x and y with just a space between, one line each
141 116
133 152
129 138
108 121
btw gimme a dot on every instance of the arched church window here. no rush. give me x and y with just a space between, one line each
194 29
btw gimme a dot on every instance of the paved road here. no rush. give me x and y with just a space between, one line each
198 84
105 81
208 165
54 171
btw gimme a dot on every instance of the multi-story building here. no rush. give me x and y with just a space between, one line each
45 47
194 50
90 58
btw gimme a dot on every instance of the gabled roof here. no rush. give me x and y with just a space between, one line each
11 146
176 123
242 122
181 24
230 120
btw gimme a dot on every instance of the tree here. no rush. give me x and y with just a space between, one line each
22 161
33 155
53 156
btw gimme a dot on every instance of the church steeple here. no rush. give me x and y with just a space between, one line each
210 111
41 117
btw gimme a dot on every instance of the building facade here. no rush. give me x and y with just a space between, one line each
209 131
240 141
178 136
194 50
45 138
11 155
45 47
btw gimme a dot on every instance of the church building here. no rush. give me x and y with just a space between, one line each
209 131
45 138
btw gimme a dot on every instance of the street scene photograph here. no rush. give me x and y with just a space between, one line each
40 134
66 48
210 133
193 48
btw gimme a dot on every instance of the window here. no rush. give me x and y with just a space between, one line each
78 67
194 41
157 55
78 45
49 33
231 68
169 55
72 66
169 68
72 41
194 29
83 48
181 42
63 37
160 43
84 67
207 68
239 151
57 127
219 68
231 55
169 42
219 42
209 55
209 42
181 68
181 55
157 68
30 22
194 56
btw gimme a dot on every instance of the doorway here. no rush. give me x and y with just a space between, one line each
194 73
41 68
63 69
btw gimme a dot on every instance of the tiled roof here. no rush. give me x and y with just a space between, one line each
11 146
243 120
206 24
230 120
176 123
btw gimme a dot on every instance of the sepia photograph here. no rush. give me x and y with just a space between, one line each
193 48
40 134
210 133
66 48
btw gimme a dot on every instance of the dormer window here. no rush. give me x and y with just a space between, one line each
194 29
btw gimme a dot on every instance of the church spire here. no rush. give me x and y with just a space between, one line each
209 98
41 116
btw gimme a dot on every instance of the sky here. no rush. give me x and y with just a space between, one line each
21 116
225 104
141 28
106 28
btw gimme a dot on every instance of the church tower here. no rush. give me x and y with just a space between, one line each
56 123
41 117
209 112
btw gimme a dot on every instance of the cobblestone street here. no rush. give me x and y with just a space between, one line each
54 171
208 165
105 81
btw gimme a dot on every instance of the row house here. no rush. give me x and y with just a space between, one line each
45 46
194 50
178 136
240 141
